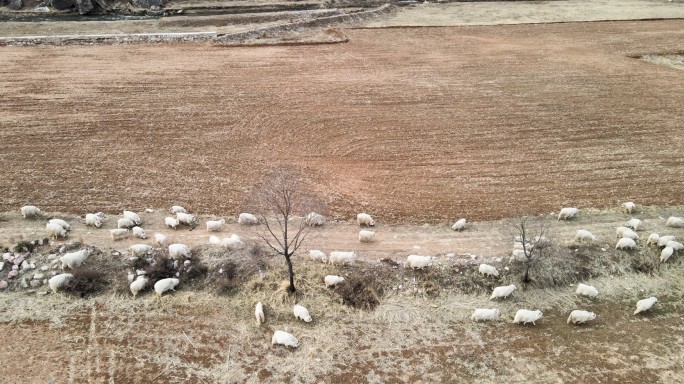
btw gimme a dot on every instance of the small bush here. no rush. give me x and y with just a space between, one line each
24 246
360 290
87 282
161 268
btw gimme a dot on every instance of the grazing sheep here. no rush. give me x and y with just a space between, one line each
177 251
301 313
663 240
29 211
59 281
171 222
160 238
313 219
586 290
138 285
666 253
215 225
629 206
487 269
125 223
341 257
186 218
629 234
485 314
366 236
418 262
61 223
315 254
459 225
634 223
132 216
519 255
645 304
519 245
284 338
141 249
247 219
524 316
503 291
259 313
580 317
232 242
625 243
653 239
164 285
567 213
214 240
119 233
177 209
93 220
139 232
584 235
365 219
620 230
55 230
332 280
675 222
675 245
74 259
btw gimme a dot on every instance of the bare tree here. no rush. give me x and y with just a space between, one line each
534 244
281 202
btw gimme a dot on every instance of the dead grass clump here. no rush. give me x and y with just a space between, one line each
194 274
161 268
24 246
363 288
88 281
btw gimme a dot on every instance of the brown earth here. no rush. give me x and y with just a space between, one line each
411 125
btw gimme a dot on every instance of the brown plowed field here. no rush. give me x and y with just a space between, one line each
422 124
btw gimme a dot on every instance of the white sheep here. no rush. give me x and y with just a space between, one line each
503 291
663 240
485 314
61 223
138 285
55 231
315 254
59 281
620 230
625 243
341 257
579 317
586 290
259 313
93 220
171 222
519 245
119 233
139 232
645 304
29 211
365 219
132 216
459 225
177 251
214 240
629 206
160 238
524 316
164 285
284 338
675 222
665 254
653 239
215 225
247 219
313 219
675 245
332 280
74 259
186 218
366 236
519 255
634 223
301 313
141 249
567 213
418 262
177 208
487 269
125 223
584 235
630 234
232 242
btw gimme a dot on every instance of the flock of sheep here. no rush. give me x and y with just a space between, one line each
130 223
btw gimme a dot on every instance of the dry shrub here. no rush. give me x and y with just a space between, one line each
194 274
161 268
232 270
360 291
88 281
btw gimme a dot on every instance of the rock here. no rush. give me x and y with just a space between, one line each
24 284
7 256
52 256
147 3
149 210
41 293
38 276
3 284
115 253
186 262
35 283
133 259
85 6
18 260
62 5
15 4
2 265
15 267
44 268
140 272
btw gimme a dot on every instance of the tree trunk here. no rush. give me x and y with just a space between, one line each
291 288
526 274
